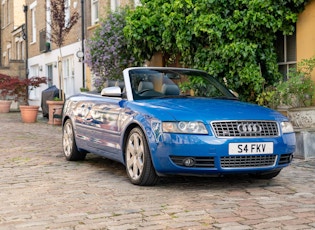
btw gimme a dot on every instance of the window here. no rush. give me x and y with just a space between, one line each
95 16
67 12
68 74
50 74
114 4
33 25
286 51
137 3
33 21
18 50
2 14
4 55
9 53
34 93
22 50
5 14
48 20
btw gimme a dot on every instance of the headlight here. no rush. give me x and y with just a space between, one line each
286 127
184 127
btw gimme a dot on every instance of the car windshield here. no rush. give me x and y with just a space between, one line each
149 83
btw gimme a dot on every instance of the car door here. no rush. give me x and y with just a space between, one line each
99 123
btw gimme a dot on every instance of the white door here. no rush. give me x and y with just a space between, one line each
68 75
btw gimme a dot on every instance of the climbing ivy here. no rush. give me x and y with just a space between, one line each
232 40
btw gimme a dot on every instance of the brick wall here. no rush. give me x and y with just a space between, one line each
34 47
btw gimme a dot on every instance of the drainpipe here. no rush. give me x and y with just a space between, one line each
25 8
82 42
0 43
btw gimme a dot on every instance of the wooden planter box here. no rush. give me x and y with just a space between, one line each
54 108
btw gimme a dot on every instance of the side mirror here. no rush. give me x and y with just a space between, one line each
113 91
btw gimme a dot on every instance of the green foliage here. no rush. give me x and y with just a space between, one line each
297 91
232 40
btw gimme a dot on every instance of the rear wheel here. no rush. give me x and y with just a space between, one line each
69 145
139 165
266 175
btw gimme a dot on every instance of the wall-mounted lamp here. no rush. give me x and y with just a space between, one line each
40 68
55 64
80 55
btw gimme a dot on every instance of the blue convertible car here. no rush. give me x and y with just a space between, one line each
175 121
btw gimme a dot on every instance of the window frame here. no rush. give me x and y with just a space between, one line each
33 22
94 12
285 60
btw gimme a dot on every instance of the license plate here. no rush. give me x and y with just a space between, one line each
251 148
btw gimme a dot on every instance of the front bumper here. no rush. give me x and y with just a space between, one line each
206 155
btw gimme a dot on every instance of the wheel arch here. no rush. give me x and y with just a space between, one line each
127 131
125 137
65 119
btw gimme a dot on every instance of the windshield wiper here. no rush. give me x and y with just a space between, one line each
171 96
226 98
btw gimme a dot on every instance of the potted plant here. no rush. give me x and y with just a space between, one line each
7 92
47 45
54 111
29 112
295 92
14 88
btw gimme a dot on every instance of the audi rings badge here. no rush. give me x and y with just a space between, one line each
249 128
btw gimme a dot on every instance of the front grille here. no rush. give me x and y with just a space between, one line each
285 159
248 161
199 162
245 128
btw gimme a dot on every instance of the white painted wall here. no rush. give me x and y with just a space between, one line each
39 64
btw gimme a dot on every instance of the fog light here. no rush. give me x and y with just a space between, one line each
189 162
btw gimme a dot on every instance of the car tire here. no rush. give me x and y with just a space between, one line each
69 145
139 165
266 176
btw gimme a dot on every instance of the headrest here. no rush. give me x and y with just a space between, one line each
145 85
170 89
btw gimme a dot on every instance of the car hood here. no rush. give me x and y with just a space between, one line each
205 109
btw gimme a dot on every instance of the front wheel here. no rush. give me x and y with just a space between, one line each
69 145
139 165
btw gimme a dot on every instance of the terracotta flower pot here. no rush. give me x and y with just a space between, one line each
5 106
29 113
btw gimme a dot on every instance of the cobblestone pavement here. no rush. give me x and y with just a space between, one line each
41 190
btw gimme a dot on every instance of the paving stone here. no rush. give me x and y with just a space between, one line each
41 190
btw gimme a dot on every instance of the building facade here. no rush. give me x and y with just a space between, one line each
12 43
63 67
305 34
